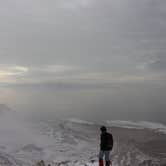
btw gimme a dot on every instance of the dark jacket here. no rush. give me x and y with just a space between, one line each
106 141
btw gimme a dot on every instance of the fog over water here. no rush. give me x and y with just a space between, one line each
89 59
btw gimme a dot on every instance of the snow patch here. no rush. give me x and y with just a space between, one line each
75 120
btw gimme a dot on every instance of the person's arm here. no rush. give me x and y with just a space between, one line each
111 141
102 141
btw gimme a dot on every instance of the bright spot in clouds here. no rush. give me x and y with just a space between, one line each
6 70
22 74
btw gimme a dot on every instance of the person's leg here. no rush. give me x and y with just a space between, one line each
101 155
107 158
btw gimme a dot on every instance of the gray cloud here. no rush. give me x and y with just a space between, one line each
86 45
75 33
159 64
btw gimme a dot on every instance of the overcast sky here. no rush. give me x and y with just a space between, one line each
92 59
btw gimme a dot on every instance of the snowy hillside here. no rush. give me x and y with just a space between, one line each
75 142
158 127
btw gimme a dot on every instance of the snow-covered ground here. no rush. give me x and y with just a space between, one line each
75 142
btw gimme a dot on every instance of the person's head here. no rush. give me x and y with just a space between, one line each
103 129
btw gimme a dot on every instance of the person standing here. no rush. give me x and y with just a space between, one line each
106 145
